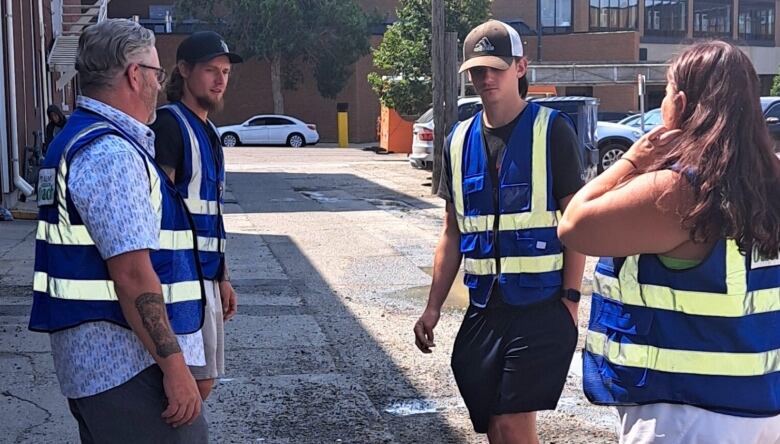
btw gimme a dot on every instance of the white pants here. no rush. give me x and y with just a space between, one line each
685 424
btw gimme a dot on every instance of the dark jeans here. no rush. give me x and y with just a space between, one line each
131 413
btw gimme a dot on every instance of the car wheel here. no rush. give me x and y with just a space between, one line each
230 140
609 154
296 140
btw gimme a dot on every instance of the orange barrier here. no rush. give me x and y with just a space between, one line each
395 133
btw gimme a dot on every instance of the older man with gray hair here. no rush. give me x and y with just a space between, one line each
117 283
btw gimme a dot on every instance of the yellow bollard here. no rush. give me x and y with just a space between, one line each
343 123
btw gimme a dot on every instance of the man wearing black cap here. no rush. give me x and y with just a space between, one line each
188 149
508 173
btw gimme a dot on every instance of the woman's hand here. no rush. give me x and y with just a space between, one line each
653 145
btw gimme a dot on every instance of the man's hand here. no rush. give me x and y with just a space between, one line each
229 300
184 401
573 308
423 330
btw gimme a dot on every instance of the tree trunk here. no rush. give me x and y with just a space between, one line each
276 83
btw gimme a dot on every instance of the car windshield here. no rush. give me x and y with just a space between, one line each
766 102
426 117
652 117
629 120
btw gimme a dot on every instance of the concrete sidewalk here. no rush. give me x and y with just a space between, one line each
32 411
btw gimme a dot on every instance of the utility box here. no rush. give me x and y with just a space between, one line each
395 133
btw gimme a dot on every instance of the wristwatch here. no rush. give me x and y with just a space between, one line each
571 294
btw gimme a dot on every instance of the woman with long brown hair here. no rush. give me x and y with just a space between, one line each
685 313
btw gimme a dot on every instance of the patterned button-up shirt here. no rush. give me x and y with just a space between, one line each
110 189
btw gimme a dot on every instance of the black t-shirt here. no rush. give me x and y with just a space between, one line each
168 141
564 157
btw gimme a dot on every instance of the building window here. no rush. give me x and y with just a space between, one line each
757 21
666 18
556 16
712 18
614 15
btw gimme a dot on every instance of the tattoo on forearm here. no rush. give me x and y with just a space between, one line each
151 308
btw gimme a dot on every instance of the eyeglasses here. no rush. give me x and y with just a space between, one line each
161 74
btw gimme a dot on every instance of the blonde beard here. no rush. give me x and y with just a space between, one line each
210 105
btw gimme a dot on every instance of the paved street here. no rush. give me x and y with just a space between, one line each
329 250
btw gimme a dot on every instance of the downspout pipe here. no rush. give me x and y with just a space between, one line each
46 93
19 182
4 170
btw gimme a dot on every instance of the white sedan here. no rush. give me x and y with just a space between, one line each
270 129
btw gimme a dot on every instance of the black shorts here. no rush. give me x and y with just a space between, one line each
511 360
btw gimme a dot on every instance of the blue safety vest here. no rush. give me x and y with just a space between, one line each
705 336
202 184
71 281
530 260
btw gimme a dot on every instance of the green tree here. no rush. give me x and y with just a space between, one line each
775 91
403 59
325 36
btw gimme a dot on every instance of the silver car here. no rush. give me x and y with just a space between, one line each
422 131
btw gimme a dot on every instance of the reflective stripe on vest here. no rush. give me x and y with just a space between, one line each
103 290
531 258
699 336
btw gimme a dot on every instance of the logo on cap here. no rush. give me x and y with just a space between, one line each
484 45
224 46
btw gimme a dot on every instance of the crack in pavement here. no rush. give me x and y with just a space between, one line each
24 432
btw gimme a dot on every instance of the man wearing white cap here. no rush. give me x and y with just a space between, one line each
508 173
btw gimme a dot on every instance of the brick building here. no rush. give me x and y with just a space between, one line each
26 33
38 40
574 31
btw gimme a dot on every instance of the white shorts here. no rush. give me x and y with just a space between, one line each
685 424
213 336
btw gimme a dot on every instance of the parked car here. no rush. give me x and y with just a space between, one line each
612 116
270 129
614 140
422 131
581 110
771 108
653 118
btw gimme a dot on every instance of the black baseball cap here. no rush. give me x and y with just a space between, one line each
203 46
493 44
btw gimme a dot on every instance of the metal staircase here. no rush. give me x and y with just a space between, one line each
74 19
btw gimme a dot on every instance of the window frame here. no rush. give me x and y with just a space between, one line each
602 15
652 5
697 20
755 37
555 28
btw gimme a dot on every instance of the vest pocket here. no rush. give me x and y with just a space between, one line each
471 281
473 184
515 197
621 323
634 322
479 244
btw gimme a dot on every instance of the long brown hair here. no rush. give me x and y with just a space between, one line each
726 149
174 88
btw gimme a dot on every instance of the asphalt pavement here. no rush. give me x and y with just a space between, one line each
330 252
